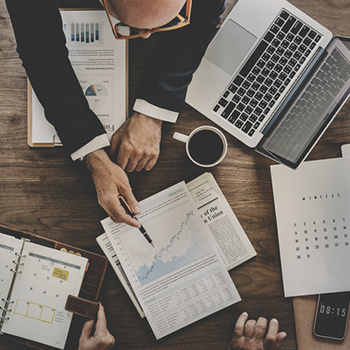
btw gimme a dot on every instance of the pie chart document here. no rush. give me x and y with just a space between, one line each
100 64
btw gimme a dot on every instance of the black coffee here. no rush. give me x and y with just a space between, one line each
205 147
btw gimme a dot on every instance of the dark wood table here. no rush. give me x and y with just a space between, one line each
44 192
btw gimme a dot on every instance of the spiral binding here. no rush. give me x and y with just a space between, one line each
7 301
4 309
17 263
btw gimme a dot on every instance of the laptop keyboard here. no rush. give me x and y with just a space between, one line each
267 73
311 108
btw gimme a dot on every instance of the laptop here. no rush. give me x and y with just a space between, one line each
273 78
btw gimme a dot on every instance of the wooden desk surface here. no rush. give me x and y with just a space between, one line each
44 192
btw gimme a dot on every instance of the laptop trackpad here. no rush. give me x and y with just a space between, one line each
230 47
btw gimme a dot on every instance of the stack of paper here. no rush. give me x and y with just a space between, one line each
184 277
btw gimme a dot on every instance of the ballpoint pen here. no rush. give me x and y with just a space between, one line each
129 212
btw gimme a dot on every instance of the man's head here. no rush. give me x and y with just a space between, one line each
145 14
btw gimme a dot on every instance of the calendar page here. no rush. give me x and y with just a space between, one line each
40 293
8 247
312 206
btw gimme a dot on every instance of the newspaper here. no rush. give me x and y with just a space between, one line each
232 243
181 278
228 235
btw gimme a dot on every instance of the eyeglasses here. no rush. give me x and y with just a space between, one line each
123 31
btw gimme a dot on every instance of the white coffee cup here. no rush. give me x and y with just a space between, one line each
206 146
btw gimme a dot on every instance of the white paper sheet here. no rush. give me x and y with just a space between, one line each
182 279
312 206
345 150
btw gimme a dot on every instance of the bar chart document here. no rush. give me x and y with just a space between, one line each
182 278
100 64
312 206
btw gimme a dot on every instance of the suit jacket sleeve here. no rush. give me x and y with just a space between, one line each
41 46
178 55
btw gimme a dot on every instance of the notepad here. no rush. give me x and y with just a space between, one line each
34 284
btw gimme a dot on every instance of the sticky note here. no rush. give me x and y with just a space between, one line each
59 273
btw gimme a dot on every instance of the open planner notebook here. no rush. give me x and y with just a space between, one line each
34 284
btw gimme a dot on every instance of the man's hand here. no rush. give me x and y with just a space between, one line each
251 335
100 339
110 182
136 144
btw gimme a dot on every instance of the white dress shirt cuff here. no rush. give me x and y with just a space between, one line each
98 142
153 111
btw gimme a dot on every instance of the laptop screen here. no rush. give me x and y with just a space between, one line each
314 104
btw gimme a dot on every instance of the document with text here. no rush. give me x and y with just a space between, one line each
182 279
232 242
228 235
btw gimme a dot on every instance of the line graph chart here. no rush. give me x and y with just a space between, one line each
178 243
176 282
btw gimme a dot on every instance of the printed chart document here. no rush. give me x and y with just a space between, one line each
100 63
180 280
312 206
110 253
34 296
228 235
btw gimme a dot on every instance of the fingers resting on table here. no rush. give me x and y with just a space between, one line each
256 335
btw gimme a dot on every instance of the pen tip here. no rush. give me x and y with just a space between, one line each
152 245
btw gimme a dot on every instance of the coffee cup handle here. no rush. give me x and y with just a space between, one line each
180 137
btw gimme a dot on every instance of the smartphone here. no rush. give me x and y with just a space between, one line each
332 315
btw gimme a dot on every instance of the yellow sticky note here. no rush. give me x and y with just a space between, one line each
59 273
